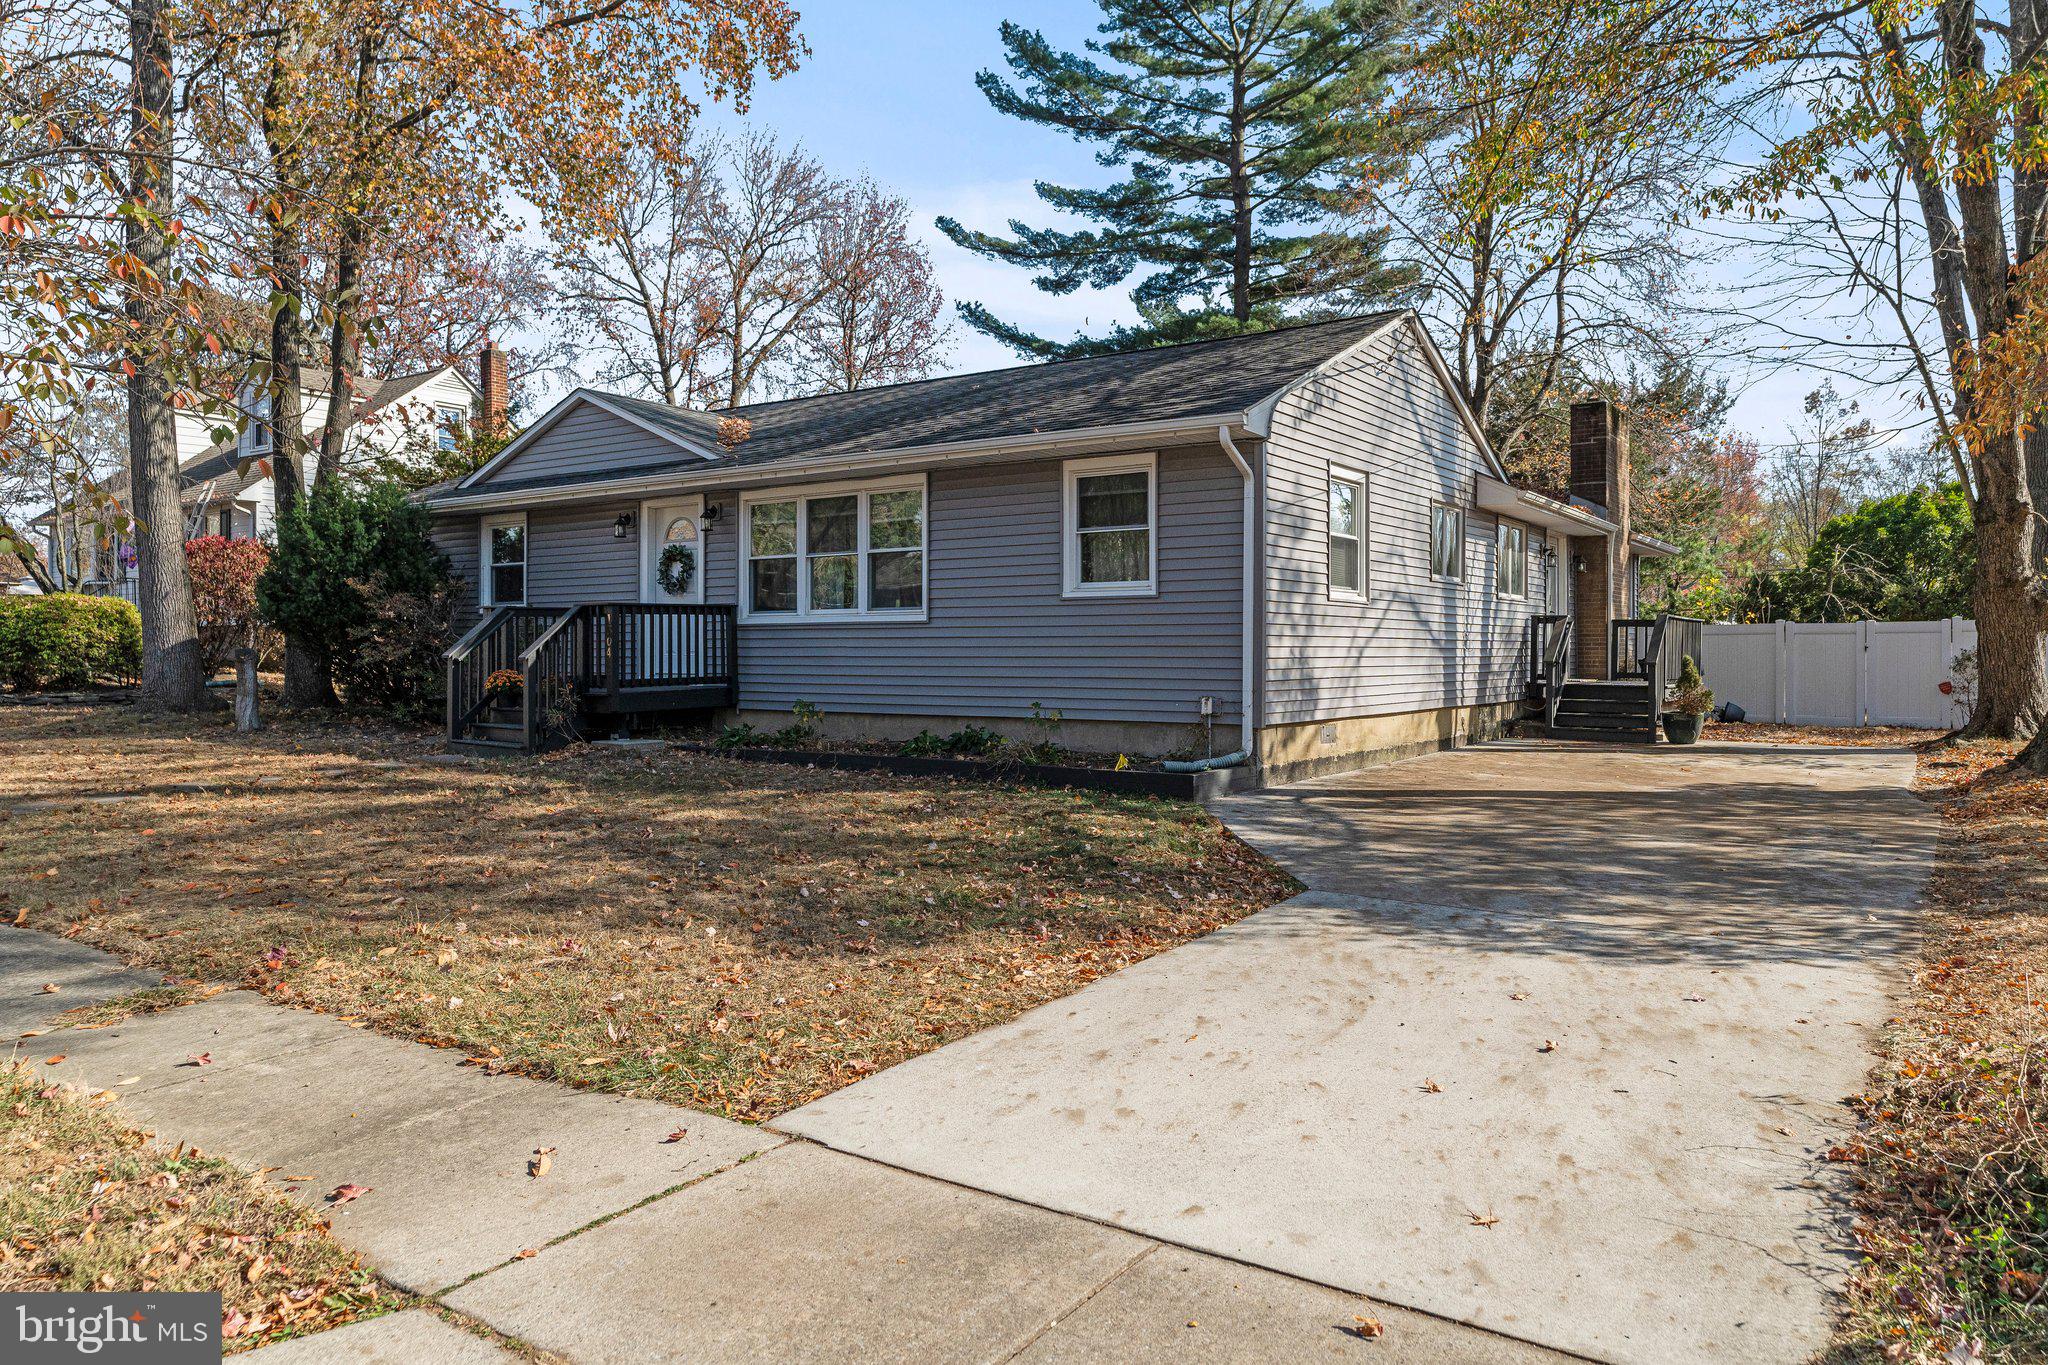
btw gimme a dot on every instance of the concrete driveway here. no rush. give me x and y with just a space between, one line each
1551 1046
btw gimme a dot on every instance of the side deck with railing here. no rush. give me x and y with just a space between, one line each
529 678
1643 659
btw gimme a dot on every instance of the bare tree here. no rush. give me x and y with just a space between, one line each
636 278
880 319
759 239
1830 467
1539 222
749 271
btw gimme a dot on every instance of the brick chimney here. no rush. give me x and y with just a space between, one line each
1599 475
491 379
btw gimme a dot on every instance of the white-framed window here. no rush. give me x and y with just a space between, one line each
850 551
448 424
1446 541
256 437
1110 515
504 560
1349 518
1510 559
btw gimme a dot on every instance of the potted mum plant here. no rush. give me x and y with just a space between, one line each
1687 710
505 687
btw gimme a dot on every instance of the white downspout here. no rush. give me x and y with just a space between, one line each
1248 722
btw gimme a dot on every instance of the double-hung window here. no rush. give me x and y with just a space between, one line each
504 552
1510 560
1446 541
1347 534
256 437
845 551
448 424
1111 541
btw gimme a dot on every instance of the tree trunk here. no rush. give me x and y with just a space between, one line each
345 355
308 674
172 675
1240 207
2012 686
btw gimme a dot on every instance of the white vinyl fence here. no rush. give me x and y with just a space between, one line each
1847 674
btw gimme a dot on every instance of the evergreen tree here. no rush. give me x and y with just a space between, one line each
1232 119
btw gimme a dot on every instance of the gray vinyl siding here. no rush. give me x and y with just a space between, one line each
457 538
589 441
1419 643
999 635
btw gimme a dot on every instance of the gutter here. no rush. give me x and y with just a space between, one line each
776 472
1247 721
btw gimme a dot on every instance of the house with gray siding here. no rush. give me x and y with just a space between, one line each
1299 538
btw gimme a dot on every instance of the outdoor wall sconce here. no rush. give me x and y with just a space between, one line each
1578 563
623 527
710 512
1549 556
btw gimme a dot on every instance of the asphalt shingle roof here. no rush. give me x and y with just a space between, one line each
1197 379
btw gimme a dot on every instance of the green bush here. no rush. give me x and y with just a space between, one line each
356 579
65 640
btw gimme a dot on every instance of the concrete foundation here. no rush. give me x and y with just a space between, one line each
1136 738
1293 753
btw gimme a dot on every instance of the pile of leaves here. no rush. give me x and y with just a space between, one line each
733 936
1953 1149
88 1203
1859 737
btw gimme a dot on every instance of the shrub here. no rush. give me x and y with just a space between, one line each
356 579
923 744
394 660
972 741
740 736
224 574
1691 697
65 640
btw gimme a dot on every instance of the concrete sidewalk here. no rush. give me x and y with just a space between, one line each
733 1243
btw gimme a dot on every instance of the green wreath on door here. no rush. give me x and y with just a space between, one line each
675 569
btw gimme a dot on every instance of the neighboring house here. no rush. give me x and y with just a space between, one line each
15 578
226 488
1076 535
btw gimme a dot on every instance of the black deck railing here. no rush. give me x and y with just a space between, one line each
617 656
1550 661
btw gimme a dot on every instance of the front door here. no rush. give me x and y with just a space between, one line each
664 526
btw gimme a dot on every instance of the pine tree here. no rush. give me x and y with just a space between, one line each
1232 119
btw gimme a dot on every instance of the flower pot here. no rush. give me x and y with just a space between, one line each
1683 727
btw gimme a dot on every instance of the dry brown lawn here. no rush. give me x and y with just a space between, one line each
89 1203
1953 1151
737 937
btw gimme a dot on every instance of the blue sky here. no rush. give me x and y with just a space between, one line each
889 89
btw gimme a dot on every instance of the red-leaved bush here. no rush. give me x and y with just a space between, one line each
224 574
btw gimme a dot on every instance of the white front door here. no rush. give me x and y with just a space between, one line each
663 525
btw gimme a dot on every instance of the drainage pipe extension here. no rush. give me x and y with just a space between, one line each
1247 724
1203 765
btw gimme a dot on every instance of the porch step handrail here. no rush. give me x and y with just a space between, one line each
493 644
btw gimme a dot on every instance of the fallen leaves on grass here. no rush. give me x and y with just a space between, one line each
1951 1155
89 1203
733 937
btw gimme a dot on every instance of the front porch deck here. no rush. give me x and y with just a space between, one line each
580 662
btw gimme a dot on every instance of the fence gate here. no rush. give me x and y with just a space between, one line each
1840 674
